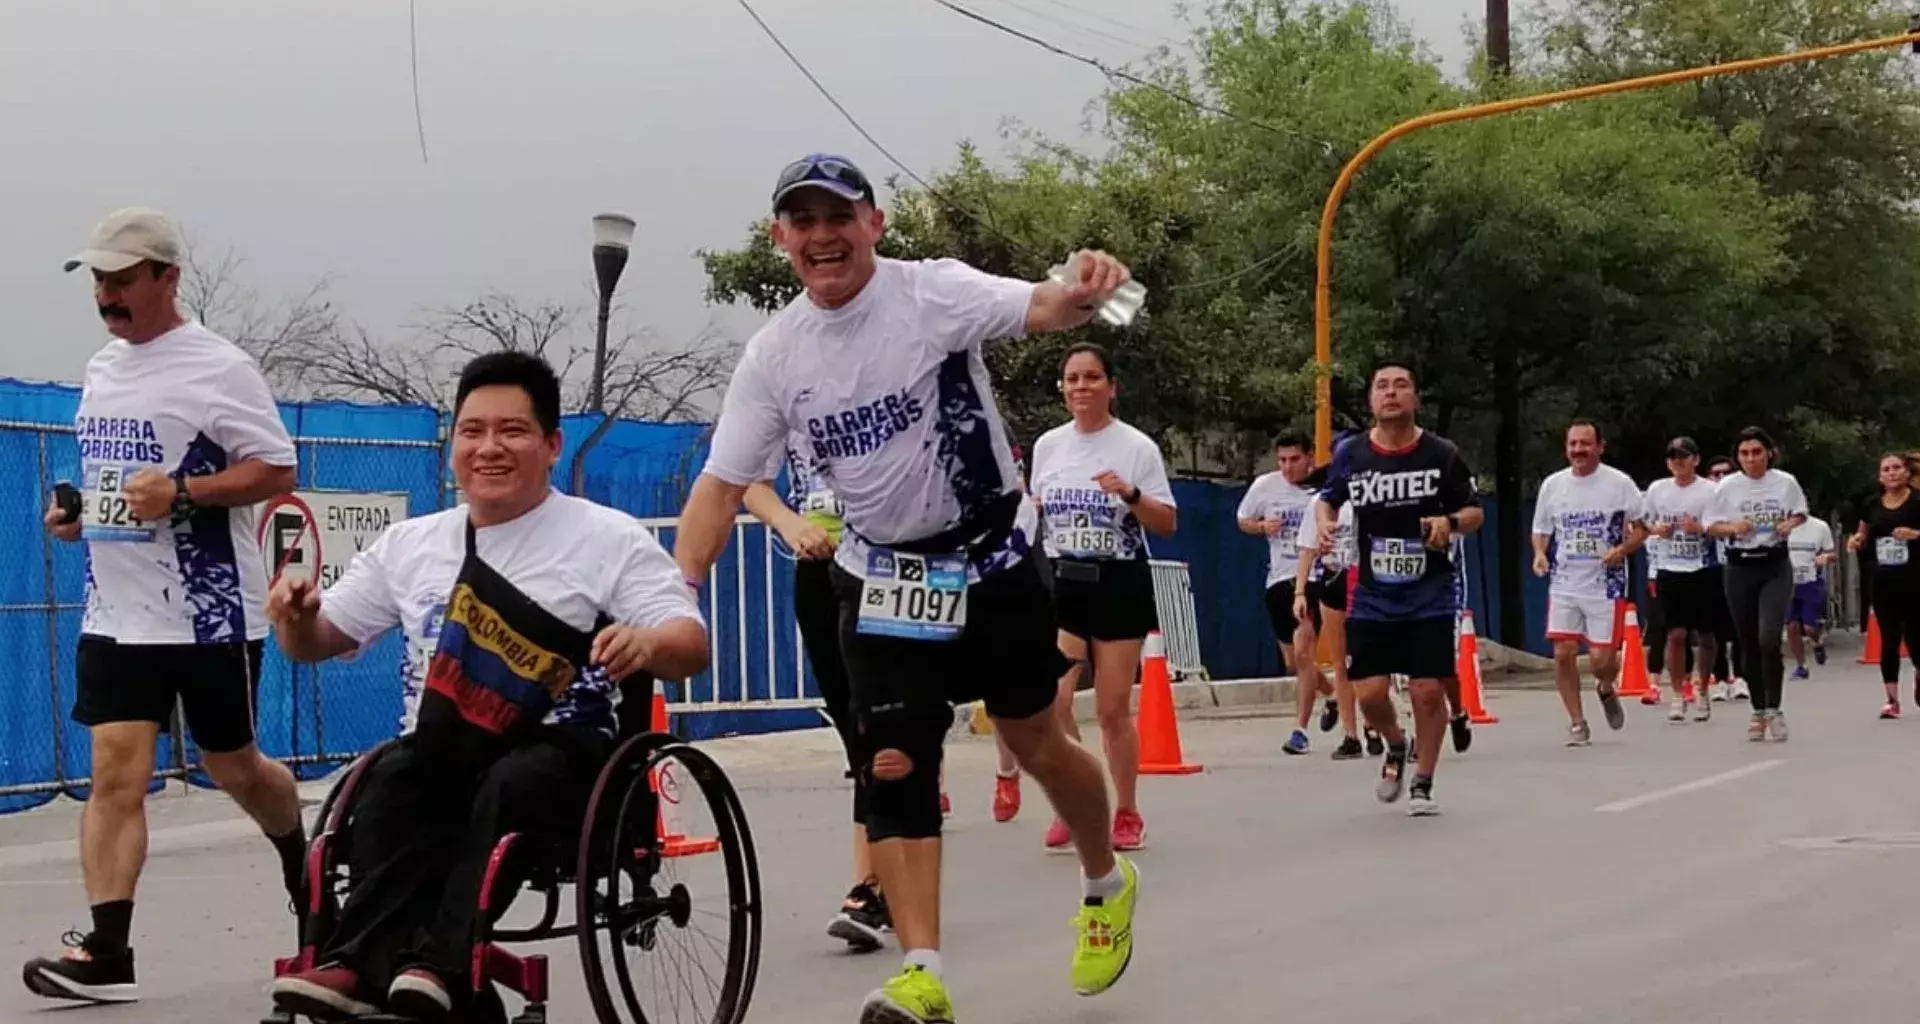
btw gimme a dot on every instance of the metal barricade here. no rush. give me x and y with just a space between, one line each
1179 623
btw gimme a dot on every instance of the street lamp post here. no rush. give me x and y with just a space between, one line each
612 238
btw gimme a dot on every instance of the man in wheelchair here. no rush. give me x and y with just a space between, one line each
521 609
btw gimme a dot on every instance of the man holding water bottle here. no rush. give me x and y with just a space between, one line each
179 439
879 365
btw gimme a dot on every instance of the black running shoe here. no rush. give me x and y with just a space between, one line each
1348 749
1462 733
864 921
91 972
1375 745
1420 802
1329 716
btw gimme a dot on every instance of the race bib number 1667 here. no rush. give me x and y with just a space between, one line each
1397 559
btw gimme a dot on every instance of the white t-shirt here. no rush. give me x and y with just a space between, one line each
1812 538
1272 496
1586 516
891 393
574 558
188 403
1081 520
1344 552
1668 502
1774 498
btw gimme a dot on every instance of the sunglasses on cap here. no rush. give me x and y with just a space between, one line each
835 174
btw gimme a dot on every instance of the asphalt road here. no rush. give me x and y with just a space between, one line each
1667 874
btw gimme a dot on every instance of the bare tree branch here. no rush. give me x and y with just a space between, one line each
279 335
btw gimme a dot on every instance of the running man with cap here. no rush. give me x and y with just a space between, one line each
179 441
1411 493
879 365
1686 571
1587 520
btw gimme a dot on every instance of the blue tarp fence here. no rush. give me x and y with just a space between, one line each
315 717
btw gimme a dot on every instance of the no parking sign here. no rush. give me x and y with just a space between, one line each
313 535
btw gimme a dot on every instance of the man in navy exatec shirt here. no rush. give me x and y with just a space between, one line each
1411 493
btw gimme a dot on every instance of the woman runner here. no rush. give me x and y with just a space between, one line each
1102 486
1889 532
1755 511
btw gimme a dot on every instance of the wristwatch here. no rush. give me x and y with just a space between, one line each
183 507
1134 498
1453 522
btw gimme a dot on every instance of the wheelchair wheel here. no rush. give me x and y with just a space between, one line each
668 895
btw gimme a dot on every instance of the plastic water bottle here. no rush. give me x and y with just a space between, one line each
1120 309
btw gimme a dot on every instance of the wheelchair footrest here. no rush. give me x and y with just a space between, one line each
526 976
301 961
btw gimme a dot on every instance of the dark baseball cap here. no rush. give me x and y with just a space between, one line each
836 174
1682 447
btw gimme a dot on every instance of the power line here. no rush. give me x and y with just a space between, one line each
413 48
979 219
1126 76
795 60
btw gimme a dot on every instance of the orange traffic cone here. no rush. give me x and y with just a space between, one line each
1467 668
1871 656
669 821
1159 728
1633 670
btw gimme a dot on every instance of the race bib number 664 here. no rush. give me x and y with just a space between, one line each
914 597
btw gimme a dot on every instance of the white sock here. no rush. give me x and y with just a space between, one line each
1108 887
925 959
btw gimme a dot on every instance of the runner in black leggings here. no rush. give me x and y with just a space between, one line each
809 522
1754 511
1729 676
1890 534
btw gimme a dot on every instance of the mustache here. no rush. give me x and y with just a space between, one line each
114 309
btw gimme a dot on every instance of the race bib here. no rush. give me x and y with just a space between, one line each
1687 550
1086 534
821 503
1804 573
104 515
1397 560
1890 551
916 597
1582 547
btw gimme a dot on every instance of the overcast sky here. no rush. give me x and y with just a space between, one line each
286 131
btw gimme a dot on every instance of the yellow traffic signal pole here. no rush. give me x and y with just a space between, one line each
1323 290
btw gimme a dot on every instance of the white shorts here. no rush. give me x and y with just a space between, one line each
1580 618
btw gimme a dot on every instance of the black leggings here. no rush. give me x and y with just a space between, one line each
1896 607
1758 596
816 610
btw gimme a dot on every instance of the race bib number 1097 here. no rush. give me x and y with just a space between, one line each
914 597
104 515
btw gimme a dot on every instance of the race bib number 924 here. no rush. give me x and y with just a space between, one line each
104 514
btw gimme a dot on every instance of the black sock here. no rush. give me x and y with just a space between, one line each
292 848
1422 781
113 923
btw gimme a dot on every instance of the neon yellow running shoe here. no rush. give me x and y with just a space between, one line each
911 997
1105 945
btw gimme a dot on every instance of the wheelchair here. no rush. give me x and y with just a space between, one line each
626 903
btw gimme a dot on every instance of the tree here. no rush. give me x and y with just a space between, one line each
307 351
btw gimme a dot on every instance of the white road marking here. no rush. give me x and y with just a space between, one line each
1687 787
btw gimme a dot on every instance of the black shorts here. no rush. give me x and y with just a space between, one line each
1106 599
1280 609
1692 600
1007 656
216 685
1333 591
1415 648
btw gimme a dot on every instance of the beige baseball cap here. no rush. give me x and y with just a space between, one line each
127 237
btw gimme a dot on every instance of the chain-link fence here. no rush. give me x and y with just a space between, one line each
309 716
